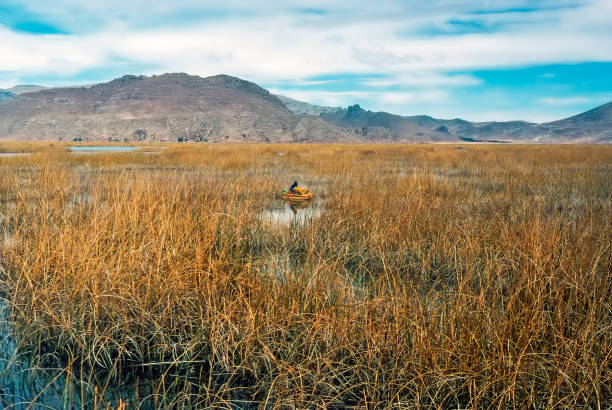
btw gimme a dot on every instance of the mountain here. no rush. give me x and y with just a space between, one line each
492 131
601 115
20 89
382 126
5 95
593 126
304 108
167 107
181 107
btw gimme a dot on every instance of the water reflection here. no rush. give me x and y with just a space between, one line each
291 213
24 385
294 206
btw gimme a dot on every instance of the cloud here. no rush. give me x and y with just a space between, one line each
564 101
8 82
377 100
423 79
284 44
400 98
326 98
390 47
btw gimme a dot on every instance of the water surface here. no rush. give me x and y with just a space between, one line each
24 385
13 154
288 214
84 149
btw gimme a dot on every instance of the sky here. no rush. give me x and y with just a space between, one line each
478 60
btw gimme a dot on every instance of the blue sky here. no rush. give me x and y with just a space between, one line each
478 60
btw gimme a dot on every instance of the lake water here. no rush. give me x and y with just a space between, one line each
23 385
82 149
288 214
13 154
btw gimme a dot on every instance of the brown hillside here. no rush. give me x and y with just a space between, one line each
168 107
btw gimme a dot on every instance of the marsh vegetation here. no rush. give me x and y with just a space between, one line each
430 275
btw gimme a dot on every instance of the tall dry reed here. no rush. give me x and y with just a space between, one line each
435 275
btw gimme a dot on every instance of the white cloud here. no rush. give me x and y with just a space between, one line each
327 98
383 100
314 82
421 96
8 82
564 101
423 79
278 42
285 45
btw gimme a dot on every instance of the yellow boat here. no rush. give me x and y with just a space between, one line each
298 194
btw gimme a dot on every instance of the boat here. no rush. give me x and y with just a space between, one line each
297 194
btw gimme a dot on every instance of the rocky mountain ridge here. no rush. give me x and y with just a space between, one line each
168 107
594 126
221 108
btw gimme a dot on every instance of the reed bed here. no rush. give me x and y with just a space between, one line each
435 276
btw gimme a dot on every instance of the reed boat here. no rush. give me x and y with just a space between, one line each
298 194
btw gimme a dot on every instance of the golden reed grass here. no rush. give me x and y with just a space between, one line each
436 275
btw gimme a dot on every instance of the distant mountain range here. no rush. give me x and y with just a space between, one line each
20 89
304 108
6 95
180 107
594 126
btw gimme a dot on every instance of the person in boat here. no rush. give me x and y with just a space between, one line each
293 186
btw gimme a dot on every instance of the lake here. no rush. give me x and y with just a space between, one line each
94 149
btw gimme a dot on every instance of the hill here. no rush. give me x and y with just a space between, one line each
181 107
385 126
594 126
167 107
382 126
304 108
6 95
20 89
591 126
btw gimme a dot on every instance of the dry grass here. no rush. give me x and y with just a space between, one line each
436 275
